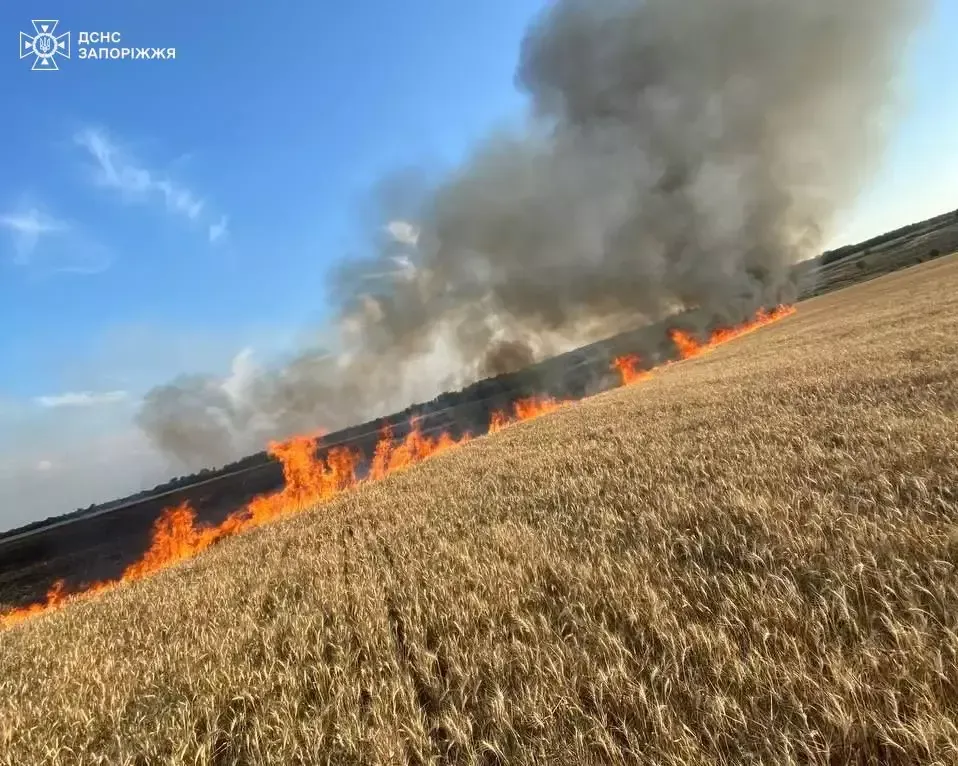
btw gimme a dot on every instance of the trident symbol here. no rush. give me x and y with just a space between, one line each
45 46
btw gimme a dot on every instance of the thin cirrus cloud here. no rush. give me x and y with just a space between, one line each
43 244
81 399
116 169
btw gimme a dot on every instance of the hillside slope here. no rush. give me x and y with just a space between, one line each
751 555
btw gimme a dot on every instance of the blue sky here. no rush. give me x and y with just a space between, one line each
160 216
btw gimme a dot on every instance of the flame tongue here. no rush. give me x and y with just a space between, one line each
175 538
688 347
628 369
525 409
309 480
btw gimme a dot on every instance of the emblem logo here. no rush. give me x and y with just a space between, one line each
45 45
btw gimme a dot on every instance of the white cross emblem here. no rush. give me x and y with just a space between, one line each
45 46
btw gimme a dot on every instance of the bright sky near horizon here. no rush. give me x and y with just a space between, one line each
162 216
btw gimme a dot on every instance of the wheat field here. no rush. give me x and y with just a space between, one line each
750 558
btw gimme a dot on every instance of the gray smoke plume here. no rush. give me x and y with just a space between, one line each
676 154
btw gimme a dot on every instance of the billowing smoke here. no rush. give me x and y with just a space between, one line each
676 154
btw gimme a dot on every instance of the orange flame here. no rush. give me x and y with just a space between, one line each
628 369
416 447
525 409
55 597
309 480
688 347
175 538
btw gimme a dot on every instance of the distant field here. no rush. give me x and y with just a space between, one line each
753 556
918 243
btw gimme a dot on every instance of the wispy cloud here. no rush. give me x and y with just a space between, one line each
27 227
47 245
81 399
219 229
116 168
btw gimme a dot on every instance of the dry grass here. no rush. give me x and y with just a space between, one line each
752 558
